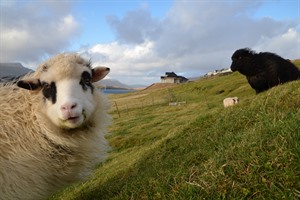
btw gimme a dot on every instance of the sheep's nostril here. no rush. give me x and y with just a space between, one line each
68 106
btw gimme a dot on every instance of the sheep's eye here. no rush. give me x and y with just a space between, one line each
45 85
86 77
86 81
49 91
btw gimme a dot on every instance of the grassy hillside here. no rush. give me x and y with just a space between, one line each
199 149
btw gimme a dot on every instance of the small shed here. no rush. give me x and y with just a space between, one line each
171 77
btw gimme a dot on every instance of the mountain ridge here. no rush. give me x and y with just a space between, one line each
117 84
13 69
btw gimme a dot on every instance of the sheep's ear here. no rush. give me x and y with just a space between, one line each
30 84
99 73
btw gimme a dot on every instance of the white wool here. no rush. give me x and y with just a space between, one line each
230 101
38 157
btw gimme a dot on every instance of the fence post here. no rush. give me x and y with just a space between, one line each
117 108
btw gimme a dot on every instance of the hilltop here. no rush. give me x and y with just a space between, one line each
200 150
113 83
11 71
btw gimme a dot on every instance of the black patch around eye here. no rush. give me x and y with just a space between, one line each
86 75
85 81
49 91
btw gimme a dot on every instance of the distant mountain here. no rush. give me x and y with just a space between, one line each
13 69
137 86
113 83
10 72
117 84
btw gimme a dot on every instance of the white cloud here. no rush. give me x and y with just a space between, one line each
128 62
136 26
133 53
32 31
287 44
67 25
195 37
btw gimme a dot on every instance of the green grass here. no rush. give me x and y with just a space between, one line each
201 150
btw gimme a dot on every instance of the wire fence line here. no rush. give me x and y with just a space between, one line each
124 106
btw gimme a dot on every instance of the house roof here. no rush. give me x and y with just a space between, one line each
173 75
182 77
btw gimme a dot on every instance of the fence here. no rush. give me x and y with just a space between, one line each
140 101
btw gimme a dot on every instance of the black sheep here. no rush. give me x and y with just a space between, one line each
263 70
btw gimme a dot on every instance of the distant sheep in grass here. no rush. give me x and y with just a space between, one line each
263 70
52 128
230 101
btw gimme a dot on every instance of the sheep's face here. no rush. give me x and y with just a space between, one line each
244 62
67 91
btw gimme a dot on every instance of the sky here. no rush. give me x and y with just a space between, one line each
141 40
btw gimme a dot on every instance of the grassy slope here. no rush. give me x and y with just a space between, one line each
201 150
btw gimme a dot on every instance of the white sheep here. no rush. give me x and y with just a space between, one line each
230 101
52 128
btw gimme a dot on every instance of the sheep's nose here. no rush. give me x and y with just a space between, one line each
68 106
